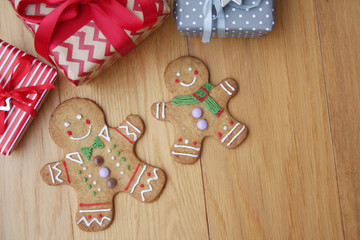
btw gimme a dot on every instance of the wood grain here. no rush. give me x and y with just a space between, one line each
295 176
281 183
340 41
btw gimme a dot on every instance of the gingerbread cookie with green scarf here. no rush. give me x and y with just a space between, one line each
199 109
99 162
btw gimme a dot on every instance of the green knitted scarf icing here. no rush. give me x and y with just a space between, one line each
200 96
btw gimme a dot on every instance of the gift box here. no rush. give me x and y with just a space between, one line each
84 37
24 84
224 18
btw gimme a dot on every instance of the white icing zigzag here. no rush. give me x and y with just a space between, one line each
129 133
136 129
59 172
51 173
93 220
148 181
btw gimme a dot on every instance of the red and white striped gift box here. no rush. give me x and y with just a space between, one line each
87 52
17 120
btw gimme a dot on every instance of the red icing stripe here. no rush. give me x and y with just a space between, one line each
132 177
67 174
220 112
124 136
93 204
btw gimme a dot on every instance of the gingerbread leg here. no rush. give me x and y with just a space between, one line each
231 134
55 173
147 183
94 216
186 150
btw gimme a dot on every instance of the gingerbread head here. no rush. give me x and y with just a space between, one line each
74 123
99 162
198 109
185 74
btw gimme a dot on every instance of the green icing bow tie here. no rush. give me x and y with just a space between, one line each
88 151
201 95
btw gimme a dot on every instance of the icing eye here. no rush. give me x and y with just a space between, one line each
66 124
190 69
178 74
79 116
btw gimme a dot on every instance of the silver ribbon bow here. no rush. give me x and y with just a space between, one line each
220 16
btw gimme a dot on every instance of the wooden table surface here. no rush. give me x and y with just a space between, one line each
295 177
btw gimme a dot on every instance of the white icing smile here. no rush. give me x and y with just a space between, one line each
190 84
83 137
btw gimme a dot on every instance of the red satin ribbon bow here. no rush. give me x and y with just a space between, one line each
111 16
19 96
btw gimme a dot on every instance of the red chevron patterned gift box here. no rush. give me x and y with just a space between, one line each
24 83
84 37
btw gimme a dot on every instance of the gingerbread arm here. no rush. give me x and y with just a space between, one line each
131 129
224 91
164 111
92 216
55 173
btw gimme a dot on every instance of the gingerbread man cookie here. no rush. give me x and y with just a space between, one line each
99 162
198 110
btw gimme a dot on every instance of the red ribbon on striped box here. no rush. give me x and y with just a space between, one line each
24 83
84 37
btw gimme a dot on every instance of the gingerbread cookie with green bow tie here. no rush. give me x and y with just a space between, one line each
99 162
198 110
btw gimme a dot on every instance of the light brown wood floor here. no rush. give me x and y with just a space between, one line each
295 177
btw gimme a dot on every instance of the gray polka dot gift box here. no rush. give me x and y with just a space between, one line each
224 18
